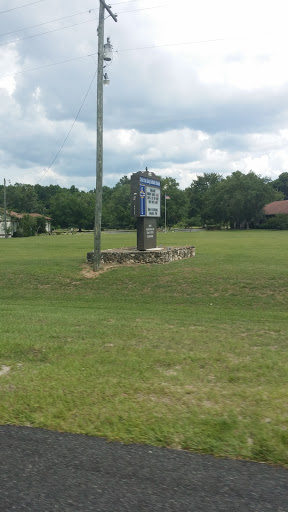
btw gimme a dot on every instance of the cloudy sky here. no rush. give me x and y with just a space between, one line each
195 87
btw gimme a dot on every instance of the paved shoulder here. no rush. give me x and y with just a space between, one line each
43 471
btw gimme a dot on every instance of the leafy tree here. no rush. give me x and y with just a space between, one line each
40 225
22 198
107 208
239 199
177 206
198 194
62 210
236 200
73 209
45 194
27 226
120 205
281 184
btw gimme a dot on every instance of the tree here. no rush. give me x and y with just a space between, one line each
281 184
45 195
27 226
73 209
198 194
22 198
40 225
176 206
120 205
239 199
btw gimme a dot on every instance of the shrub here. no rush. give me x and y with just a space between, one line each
40 225
27 227
195 221
213 227
279 221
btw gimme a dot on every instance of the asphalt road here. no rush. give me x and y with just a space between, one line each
43 471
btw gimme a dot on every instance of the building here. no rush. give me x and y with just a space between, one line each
276 208
13 219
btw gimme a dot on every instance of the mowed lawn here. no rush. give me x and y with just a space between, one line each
189 355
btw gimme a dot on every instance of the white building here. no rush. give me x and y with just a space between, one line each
12 222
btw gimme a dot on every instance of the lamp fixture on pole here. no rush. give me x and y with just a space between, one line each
106 79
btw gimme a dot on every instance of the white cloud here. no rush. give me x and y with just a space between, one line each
8 65
218 103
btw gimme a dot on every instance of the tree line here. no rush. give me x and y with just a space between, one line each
235 201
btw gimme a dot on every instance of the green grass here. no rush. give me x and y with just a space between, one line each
190 355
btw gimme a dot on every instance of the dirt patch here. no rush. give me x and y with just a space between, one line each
4 369
88 272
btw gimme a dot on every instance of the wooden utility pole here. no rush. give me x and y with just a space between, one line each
99 155
5 208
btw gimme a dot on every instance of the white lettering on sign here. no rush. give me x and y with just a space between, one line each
149 181
150 231
153 201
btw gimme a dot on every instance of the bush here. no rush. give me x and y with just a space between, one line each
213 227
279 221
27 227
195 221
40 225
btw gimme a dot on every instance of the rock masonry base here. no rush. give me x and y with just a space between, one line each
132 255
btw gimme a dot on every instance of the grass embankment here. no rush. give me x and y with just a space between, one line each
189 355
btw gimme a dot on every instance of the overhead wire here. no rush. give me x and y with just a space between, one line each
127 2
177 44
21 6
143 9
201 41
47 32
68 26
46 22
48 65
69 131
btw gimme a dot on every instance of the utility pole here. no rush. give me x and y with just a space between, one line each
99 155
5 207
165 214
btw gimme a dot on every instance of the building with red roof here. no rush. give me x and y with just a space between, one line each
276 208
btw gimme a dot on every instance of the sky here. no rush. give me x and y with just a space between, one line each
194 87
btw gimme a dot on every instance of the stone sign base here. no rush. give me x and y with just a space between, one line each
132 255
146 233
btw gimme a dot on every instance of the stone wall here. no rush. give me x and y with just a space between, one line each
131 255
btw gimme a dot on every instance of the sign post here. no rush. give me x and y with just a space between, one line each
146 206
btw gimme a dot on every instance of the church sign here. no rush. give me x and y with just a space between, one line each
146 206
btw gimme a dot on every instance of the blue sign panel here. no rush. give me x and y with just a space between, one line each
142 201
149 181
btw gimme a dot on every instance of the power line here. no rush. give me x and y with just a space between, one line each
127 2
62 28
122 50
143 9
20 6
179 44
48 65
70 130
47 32
46 22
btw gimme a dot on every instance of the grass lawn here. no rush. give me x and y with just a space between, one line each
189 355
